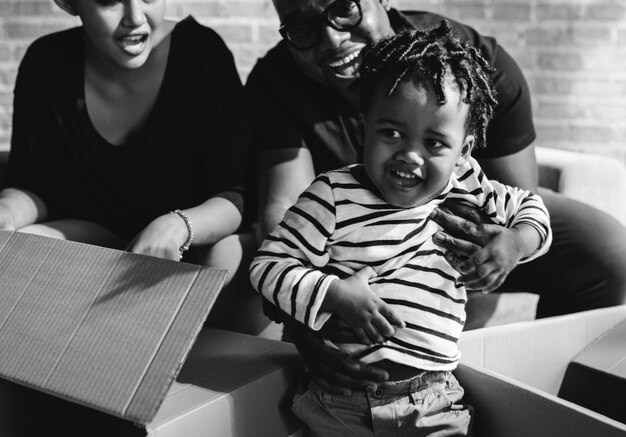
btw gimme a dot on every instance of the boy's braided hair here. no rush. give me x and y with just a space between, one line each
424 56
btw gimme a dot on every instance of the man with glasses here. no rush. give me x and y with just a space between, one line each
305 121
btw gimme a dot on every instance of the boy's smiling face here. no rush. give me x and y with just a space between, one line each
412 143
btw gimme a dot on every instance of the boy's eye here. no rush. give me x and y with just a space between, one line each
434 144
390 133
108 2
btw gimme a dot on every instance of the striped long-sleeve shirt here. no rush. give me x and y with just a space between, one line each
340 225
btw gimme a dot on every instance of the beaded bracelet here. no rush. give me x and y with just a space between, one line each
185 246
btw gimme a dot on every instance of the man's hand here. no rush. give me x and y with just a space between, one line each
331 368
485 269
463 226
353 301
484 253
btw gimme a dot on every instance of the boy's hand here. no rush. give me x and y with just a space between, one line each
485 269
353 301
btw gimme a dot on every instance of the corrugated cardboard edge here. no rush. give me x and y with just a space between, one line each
218 279
506 407
165 387
213 399
190 344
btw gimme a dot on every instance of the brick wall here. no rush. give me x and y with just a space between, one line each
573 53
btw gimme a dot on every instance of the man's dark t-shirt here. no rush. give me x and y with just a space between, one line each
192 146
289 109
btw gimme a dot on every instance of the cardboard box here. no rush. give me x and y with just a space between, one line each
103 329
232 385
512 374
596 377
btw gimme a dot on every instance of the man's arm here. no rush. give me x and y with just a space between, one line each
282 176
518 170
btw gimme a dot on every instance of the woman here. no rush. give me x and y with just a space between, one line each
130 131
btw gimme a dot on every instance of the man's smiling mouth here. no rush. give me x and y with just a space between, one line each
347 66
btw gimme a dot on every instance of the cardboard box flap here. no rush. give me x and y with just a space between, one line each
99 327
551 343
506 407
607 353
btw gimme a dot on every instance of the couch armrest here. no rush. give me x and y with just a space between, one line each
599 181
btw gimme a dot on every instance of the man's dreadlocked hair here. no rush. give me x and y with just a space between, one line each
424 56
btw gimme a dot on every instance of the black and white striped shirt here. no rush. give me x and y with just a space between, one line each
340 225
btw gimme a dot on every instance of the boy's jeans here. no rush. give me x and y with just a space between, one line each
425 405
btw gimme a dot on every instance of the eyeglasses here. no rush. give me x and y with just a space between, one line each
305 33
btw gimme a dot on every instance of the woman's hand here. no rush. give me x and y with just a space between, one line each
6 219
162 238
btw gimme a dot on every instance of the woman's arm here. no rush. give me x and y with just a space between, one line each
210 221
19 208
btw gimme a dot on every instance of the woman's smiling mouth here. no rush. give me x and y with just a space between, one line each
133 44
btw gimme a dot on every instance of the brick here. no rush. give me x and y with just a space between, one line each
551 132
525 58
592 133
5 51
19 49
7 76
247 9
609 60
5 8
5 143
463 11
608 11
199 9
34 8
31 29
507 34
563 109
606 112
425 5
233 33
559 11
545 84
591 35
6 98
5 119
560 60
511 11
268 34
547 36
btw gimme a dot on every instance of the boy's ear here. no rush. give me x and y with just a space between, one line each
360 131
67 6
385 4
466 150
